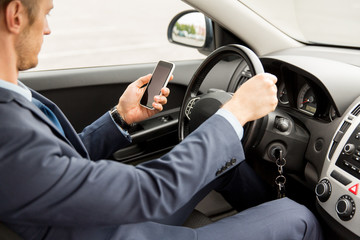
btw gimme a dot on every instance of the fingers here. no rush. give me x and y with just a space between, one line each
269 95
273 100
165 92
254 99
270 77
161 100
157 106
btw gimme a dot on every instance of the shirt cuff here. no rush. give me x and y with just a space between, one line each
233 121
124 132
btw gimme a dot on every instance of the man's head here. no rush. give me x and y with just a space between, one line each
26 22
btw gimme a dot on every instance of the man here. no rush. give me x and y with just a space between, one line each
49 188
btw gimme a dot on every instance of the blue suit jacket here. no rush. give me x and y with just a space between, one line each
49 185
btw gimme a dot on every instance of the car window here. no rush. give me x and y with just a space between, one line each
88 33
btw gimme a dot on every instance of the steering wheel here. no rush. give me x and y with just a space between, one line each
195 109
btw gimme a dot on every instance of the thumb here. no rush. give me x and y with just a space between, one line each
143 80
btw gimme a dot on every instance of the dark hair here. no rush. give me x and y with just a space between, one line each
30 5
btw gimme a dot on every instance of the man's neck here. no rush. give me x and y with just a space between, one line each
8 70
8 63
11 78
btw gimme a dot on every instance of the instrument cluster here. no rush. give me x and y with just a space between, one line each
303 95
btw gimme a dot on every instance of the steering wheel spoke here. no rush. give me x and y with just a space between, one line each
190 106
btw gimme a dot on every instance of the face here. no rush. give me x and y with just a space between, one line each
30 40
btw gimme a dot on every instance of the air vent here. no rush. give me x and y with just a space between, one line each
356 111
339 135
345 127
333 148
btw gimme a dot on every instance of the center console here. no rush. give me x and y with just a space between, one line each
338 191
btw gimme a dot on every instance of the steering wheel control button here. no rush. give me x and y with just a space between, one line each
354 189
340 178
323 190
345 208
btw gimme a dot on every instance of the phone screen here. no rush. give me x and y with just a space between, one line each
159 79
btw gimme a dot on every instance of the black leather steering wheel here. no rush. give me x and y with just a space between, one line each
195 109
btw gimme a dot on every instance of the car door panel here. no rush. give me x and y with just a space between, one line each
85 94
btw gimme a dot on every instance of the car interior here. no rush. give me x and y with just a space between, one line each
315 127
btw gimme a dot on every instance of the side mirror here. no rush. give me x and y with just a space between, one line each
192 29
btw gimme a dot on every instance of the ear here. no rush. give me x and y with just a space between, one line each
15 16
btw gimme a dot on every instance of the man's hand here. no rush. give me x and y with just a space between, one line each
254 99
129 103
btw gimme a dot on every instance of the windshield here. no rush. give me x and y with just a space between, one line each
330 22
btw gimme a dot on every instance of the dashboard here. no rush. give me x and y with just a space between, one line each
320 106
296 90
321 96
338 189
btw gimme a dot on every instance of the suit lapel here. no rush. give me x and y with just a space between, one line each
71 135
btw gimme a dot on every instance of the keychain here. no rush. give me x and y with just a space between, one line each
281 179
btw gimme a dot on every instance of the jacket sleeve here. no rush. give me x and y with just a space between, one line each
102 138
41 183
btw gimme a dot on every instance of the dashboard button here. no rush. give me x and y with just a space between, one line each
354 189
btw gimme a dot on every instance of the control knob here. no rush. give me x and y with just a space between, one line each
349 148
282 124
345 208
323 190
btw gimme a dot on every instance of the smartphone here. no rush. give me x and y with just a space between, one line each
159 79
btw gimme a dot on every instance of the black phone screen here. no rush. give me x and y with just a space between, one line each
159 79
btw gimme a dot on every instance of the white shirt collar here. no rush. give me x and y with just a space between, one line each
20 89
